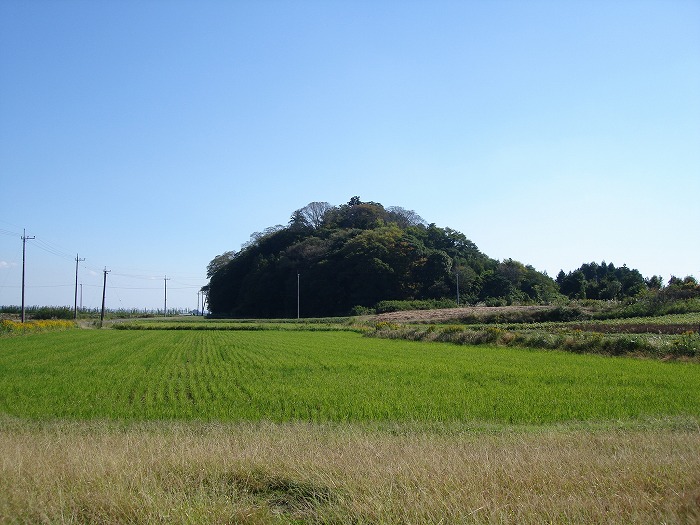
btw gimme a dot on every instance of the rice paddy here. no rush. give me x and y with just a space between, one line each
327 376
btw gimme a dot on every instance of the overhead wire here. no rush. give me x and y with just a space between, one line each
10 223
47 286
52 249
63 253
9 233
10 266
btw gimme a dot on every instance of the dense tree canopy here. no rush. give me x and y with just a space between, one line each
358 254
604 281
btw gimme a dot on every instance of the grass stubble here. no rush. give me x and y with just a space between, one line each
296 472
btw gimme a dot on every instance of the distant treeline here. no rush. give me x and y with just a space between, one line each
604 281
65 312
334 260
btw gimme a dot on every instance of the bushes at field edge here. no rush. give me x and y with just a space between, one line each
686 345
8 327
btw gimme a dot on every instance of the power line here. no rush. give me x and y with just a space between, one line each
52 249
71 285
33 286
181 281
11 224
8 233
132 276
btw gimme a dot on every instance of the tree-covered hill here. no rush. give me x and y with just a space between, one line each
358 254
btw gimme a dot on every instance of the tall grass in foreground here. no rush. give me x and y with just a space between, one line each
305 473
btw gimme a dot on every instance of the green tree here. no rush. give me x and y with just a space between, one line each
219 262
359 254
574 285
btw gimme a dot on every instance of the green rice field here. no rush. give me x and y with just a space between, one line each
284 376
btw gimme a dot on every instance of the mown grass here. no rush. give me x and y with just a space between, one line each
327 376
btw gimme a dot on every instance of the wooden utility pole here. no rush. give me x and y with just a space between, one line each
77 260
104 290
24 254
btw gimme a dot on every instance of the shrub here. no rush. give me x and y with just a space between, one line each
540 340
362 310
562 314
385 325
400 306
8 327
686 345
51 312
493 301
449 333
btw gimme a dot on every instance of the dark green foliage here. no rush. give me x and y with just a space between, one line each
604 281
399 306
219 262
356 255
573 284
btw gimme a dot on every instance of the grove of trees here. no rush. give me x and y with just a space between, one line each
341 259
604 281
356 255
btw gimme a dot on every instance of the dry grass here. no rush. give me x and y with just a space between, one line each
442 315
303 473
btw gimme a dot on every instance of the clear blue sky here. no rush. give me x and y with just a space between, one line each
150 136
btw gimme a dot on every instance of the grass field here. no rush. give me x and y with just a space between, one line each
293 426
326 376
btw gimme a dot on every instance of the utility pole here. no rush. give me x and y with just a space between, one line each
165 297
298 295
104 290
198 302
24 253
77 260
457 274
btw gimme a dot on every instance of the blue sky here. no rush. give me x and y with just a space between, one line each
151 136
